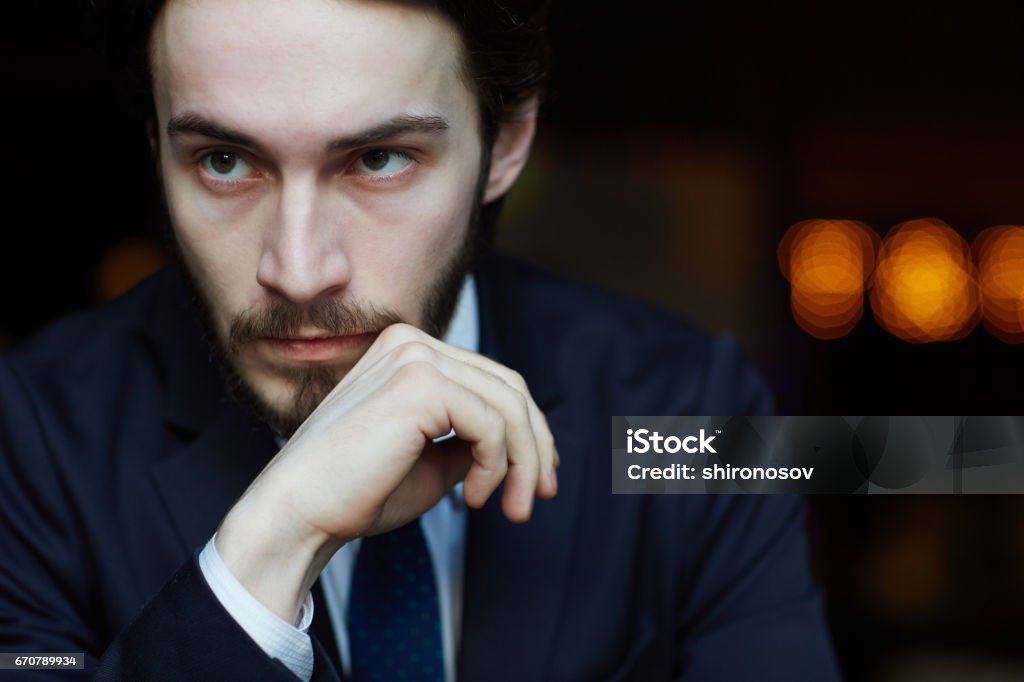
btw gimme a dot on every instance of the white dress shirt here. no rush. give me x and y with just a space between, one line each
444 528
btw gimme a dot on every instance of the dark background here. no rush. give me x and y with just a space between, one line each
677 144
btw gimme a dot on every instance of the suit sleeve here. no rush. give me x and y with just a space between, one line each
760 616
185 634
732 386
50 596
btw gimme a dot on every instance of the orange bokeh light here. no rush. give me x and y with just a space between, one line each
126 264
924 288
827 263
999 252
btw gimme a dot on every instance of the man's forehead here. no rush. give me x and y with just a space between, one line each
304 66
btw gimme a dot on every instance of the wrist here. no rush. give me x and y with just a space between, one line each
272 554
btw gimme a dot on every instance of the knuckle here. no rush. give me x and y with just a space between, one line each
493 458
524 404
517 409
516 380
497 431
415 375
399 333
413 352
500 466
510 396
542 419
496 423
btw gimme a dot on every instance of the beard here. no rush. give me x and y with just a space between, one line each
336 317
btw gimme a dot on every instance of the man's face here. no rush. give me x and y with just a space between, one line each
321 162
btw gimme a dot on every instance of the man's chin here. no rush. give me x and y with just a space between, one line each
287 399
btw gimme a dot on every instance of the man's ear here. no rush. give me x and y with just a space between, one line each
511 149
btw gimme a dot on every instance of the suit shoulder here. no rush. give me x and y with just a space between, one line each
575 303
77 331
90 350
634 344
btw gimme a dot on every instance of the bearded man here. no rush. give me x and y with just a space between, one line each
343 440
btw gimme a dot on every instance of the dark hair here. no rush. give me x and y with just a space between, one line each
507 53
506 49
506 57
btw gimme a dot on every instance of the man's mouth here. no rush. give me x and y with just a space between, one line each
320 347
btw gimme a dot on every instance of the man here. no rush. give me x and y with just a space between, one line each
186 504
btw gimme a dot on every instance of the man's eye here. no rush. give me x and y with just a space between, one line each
382 162
226 166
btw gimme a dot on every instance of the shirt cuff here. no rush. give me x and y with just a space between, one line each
288 643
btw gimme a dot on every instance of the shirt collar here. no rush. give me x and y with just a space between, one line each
464 332
464 329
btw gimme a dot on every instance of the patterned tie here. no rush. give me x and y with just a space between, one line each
394 626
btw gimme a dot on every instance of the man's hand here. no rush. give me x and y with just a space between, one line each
364 462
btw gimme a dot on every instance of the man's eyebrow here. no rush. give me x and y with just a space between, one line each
183 124
186 123
391 128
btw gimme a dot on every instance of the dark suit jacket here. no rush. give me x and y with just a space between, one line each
120 453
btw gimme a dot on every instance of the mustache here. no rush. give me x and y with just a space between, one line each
333 317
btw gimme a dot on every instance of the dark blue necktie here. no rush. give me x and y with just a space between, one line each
394 624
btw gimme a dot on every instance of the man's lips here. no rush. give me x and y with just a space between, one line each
319 347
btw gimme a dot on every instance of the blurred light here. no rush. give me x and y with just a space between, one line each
924 288
827 263
999 253
124 265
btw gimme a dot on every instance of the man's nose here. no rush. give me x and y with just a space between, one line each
303 256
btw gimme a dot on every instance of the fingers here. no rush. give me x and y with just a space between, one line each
527 460
523 452
451 404
399 335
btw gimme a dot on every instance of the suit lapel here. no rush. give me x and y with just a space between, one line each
514 578
219 448
515 574
201 482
